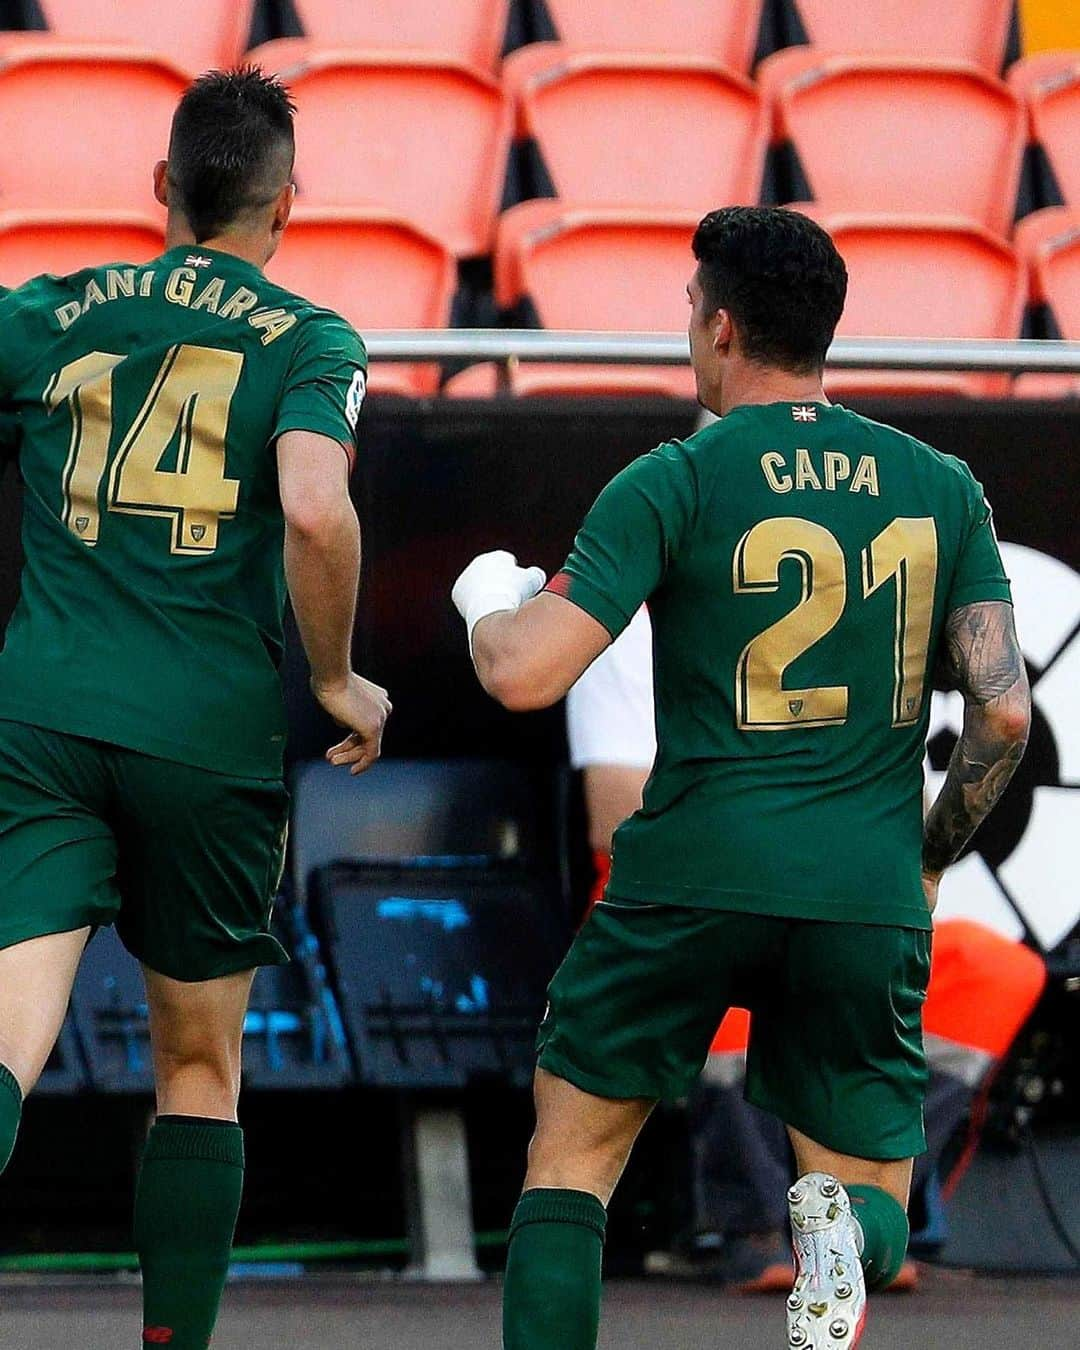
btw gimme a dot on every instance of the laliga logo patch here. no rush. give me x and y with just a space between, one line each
1023 862
354 400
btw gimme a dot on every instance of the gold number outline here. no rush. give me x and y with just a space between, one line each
761 701
86 385
907 550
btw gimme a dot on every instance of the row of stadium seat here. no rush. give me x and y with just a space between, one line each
619 271
203 33
83 124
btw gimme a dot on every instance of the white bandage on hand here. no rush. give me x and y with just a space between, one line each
494 582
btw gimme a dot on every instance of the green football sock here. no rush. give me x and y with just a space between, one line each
551 1298
885 1234
186 1205
11 1100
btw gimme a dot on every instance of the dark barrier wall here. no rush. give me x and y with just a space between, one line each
436 484
436 487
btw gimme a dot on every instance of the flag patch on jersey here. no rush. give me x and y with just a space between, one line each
804 412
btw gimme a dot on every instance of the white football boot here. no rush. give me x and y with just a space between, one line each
826 1309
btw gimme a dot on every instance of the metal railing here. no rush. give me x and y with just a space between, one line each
671 349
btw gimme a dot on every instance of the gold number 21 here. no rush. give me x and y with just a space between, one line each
189 398
904 552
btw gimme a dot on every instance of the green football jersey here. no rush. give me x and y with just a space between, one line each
799 562
153 590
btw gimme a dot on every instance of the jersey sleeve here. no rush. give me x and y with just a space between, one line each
980 573
17 343
326 383
629 538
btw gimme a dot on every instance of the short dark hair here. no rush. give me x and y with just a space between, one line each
779 276
231 143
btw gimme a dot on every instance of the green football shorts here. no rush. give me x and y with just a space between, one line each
836 1044
184 862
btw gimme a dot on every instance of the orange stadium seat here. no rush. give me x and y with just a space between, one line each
471 30
198 34
423 135
34 242
727 32
618 129
1050 81
958 30
378 272
591 269
83 125
924 278
898 135
1049 241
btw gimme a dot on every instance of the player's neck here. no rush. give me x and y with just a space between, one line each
752 384
248 247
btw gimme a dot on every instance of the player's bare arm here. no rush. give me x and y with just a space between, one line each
528 648
983 660
322 568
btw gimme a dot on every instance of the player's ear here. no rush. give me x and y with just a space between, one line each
283 207
161 182
722 332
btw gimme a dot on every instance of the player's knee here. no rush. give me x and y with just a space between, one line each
205 1068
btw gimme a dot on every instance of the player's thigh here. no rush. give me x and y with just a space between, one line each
200 858
36 977
57 851
633 1008
837 1051
893 1177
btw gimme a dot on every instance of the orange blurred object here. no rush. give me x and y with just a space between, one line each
1049 242
198 34
900 135
423 135
727 32
377 271
618 129
1051 84
83 125
960 30
923 278
34 242
591 269
471 30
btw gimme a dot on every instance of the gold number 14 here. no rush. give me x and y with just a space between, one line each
190 398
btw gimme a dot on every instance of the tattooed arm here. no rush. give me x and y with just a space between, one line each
983 660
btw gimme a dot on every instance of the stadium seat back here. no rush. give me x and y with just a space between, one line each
961 30
643 131
928 278
83 126
1053 92
600 269
378 272
471 30
727 32
1050 242
874 134
32 243
423 136
198 34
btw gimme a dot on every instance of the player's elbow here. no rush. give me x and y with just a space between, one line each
318 519
1007 719
517 689
1012 722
